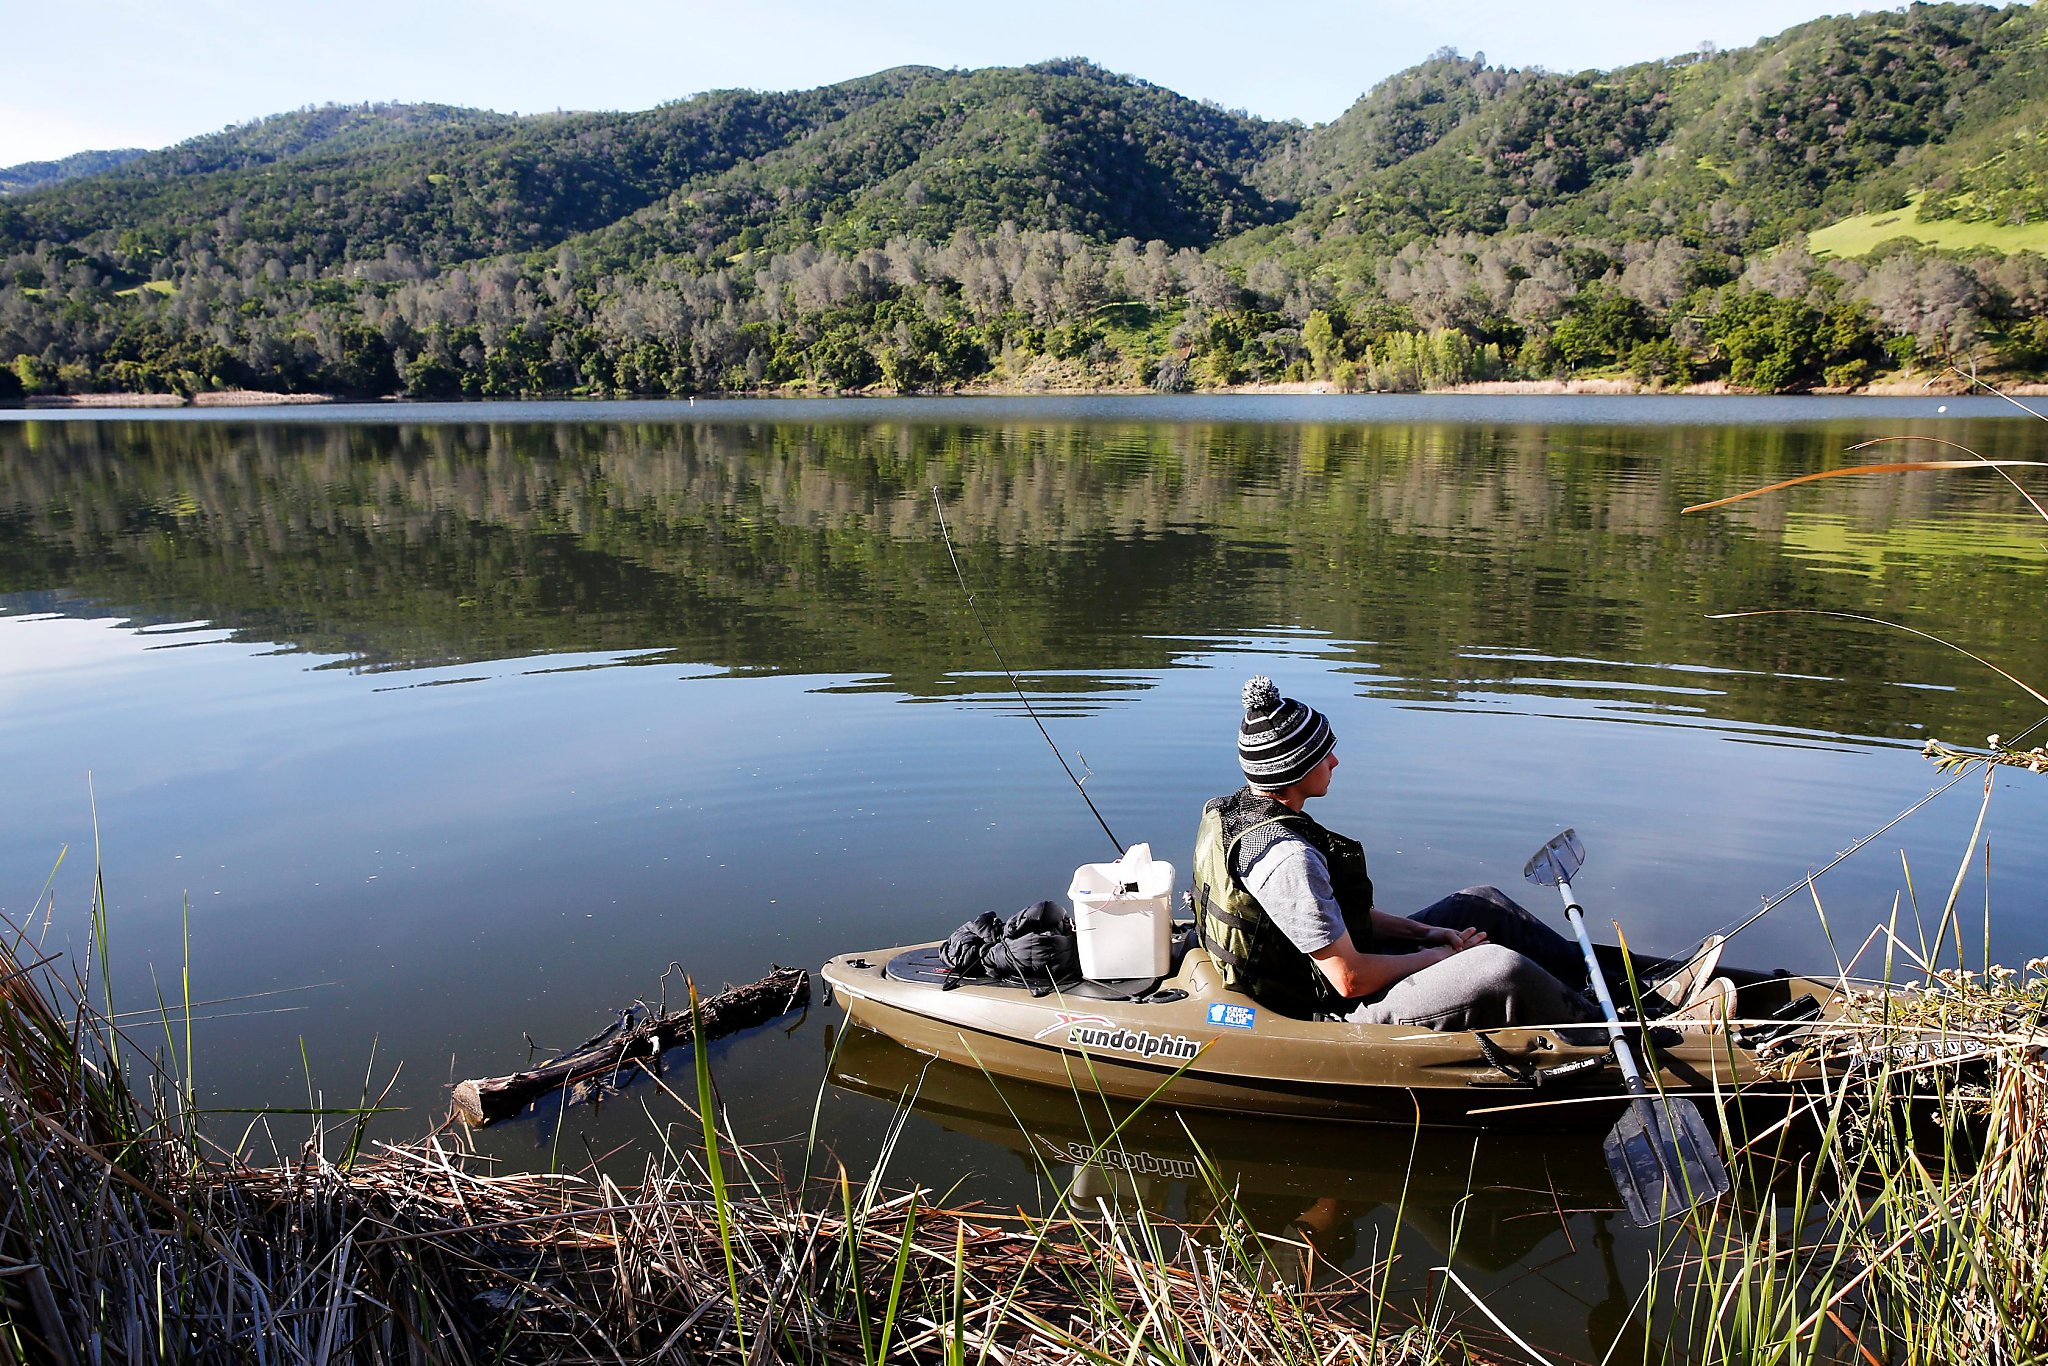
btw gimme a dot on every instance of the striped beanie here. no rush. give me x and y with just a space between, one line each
1281 739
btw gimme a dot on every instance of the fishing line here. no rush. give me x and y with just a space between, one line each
939 506
1772 902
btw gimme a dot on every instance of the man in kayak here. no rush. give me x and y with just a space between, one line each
1285 907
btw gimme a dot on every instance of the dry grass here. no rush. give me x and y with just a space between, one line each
1915 1230
127 1238
415 1255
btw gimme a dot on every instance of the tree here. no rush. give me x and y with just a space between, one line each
1933 300
1319 335
1602 326
34 375
1788 345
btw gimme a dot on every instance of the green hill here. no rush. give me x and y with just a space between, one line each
330 129
1739 149
36 175
1063 225
1402 116
323 189
1064 145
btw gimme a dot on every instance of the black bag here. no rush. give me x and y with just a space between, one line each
966 950
1036 947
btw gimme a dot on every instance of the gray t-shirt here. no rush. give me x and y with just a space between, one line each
1292 884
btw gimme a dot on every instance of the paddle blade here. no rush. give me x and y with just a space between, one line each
1664 1160
1557 862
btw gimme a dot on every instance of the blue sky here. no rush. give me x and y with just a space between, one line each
147 73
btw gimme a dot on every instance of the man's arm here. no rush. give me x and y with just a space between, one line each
1292 884
1386 926
1356 974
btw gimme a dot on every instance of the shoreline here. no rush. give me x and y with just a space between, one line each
213 398
1939 386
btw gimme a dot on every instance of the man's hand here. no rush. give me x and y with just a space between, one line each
1455 940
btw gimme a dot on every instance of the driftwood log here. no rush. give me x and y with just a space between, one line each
593 1063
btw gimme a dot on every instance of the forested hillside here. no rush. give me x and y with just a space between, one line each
1062 226
34 175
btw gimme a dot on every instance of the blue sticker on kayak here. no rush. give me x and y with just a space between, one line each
1233 1016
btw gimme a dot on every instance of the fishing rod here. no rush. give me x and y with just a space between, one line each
1771 903
939 506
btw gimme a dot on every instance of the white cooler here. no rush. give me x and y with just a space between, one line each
1123 916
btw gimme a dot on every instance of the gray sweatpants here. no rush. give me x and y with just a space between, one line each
1525 974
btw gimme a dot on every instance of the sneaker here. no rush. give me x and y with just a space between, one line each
1679 989
1713 1005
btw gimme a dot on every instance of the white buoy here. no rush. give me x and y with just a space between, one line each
1942 409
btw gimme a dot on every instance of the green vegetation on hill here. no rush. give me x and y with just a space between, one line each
327 129
34 175
1406 114
1060 225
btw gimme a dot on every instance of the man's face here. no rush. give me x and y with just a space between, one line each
1318 780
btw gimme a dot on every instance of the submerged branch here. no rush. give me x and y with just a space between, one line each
486 1100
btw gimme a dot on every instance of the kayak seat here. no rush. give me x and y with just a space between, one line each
1199 975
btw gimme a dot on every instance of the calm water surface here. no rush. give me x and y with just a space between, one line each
459 725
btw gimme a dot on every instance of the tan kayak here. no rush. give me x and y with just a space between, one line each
1192 1043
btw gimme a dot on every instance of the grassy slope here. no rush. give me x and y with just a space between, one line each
1860 234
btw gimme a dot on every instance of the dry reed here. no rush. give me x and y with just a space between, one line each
1915 1231
127 1238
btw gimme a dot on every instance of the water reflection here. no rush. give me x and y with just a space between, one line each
1526 1221
1446 562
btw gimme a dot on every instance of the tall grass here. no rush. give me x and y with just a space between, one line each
126 1237
1914 1230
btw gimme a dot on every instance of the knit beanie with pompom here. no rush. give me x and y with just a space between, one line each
1281 739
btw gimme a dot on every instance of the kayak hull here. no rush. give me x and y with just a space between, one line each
1196 1044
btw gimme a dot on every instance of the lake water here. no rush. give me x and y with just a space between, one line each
458 725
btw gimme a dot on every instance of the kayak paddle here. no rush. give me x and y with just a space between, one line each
1663 1158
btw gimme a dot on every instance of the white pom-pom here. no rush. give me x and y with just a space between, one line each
1260 696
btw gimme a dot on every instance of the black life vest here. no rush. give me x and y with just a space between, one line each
1251 952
